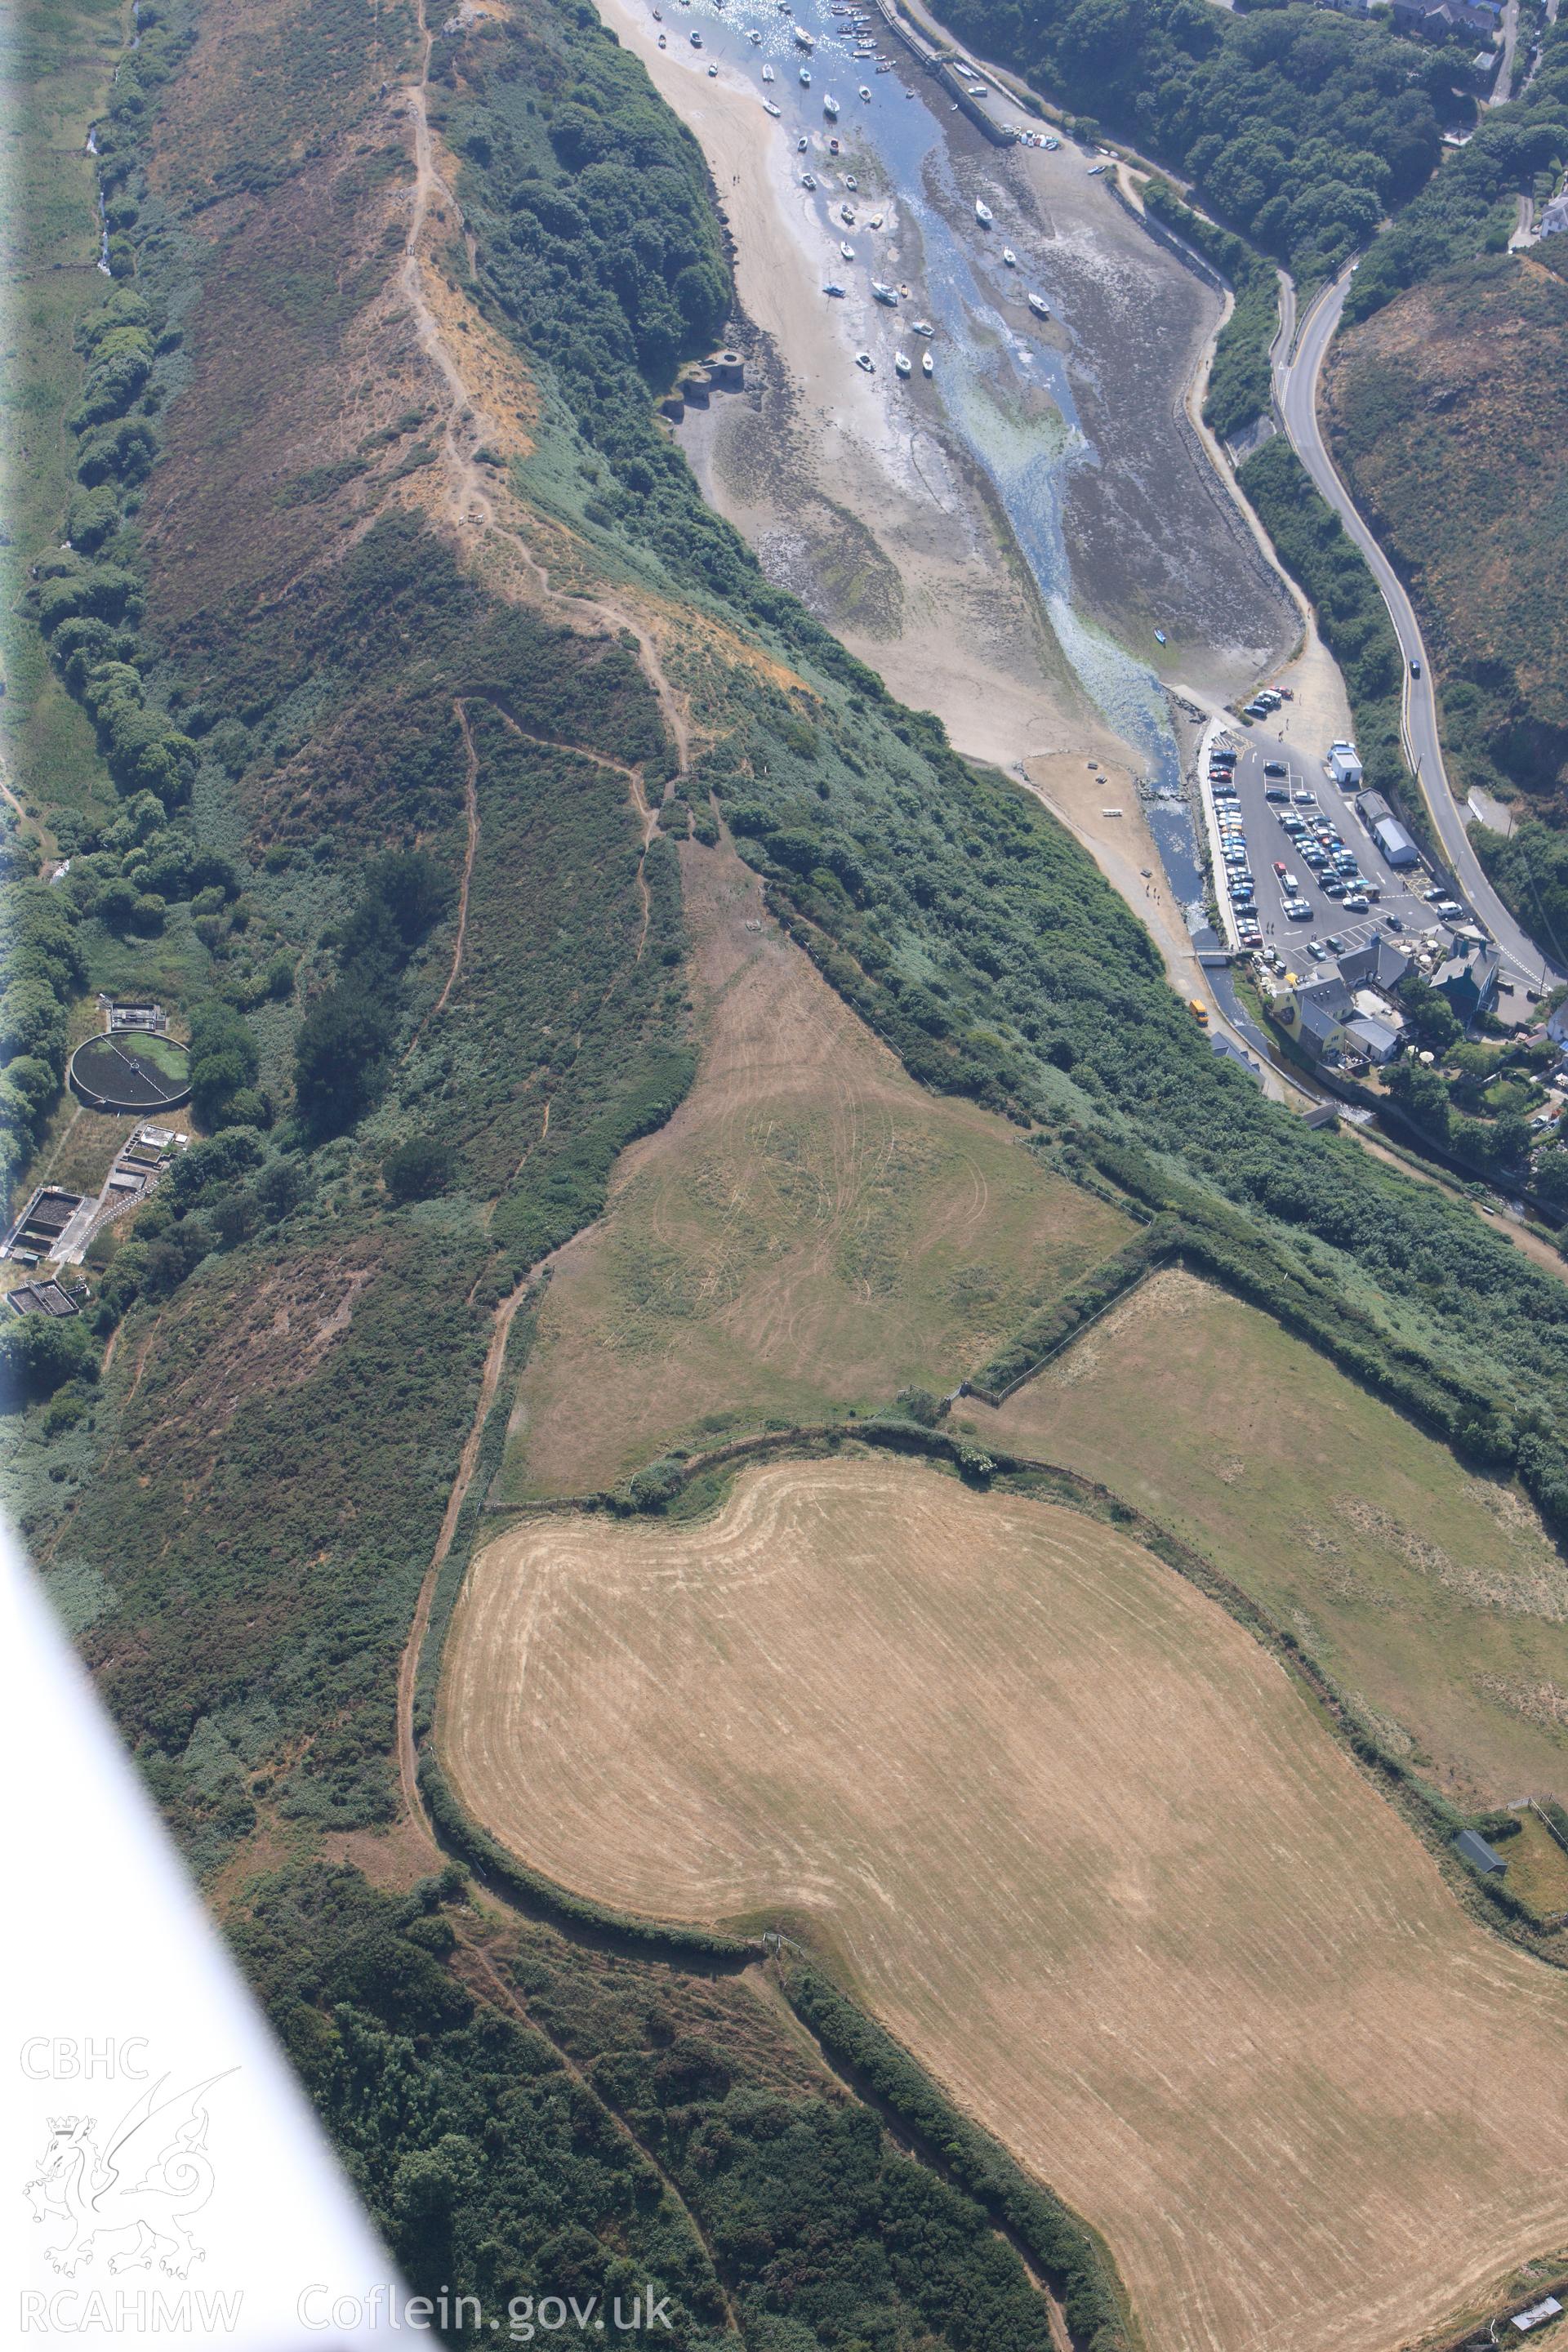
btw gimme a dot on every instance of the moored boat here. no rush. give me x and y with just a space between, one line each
928 366
1038 307
901 362
984 214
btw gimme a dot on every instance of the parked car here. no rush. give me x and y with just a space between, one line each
1316 950
1334 943
1274 768
1394 922
1356 902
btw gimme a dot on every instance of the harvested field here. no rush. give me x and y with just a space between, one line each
1434 1598
811 1231
1083 1847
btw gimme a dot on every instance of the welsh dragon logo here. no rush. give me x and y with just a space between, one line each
133 2197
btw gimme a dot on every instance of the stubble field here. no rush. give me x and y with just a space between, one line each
1433 1597
812 1231
1078 1842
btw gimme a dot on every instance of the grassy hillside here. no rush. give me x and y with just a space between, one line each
1447 409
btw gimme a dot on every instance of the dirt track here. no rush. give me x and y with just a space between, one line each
1088 1852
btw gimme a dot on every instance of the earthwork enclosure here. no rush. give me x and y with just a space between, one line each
1081 1844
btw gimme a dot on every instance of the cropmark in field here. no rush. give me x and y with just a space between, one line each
1084 1848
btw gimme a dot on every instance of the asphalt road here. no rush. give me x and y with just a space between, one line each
1296 376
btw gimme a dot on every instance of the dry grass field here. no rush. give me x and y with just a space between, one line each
811 1231
1083 1847
1433 1597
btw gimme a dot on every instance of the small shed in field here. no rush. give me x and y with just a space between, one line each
1479 1855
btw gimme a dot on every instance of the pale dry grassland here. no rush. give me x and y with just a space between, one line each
1080 1844
811 1231
1435 1598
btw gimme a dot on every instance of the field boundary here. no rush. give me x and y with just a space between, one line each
1425 1812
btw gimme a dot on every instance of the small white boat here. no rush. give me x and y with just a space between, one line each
802 40
808 179
901 362
928 366
851 183
661 41
864 91
1095 170
834 288
864 359
1051 145
847 251
1159 636
830 107
806 77
847 215
833 146
1038 307
767 73
1009 256
755 39
877 219
696 40
922 327
769 108
802 146
984 214
887 295
712 73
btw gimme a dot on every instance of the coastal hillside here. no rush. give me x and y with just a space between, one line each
609 1037
1447 408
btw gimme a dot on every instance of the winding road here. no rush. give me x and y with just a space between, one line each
1298 366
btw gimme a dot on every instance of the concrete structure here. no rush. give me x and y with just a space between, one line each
1479 1855
726 371
1537 2315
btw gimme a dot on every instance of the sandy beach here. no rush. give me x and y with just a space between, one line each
869 510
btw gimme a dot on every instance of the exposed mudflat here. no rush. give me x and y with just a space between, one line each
1002 539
